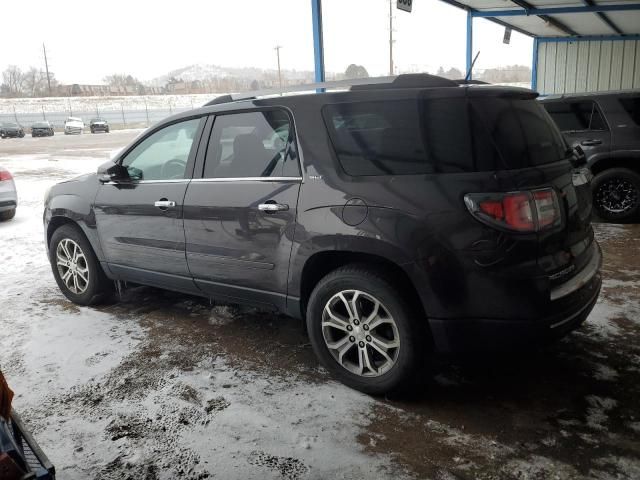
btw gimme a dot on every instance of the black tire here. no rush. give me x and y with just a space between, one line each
616 194
411 329
98 285
7 215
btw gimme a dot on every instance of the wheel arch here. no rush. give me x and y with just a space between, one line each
630 162
322 263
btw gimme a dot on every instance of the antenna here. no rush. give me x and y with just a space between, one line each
468 76
390 37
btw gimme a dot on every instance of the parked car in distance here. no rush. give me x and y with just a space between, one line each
607 127
42 129
8 195
11 130
99 125
73 126
397 219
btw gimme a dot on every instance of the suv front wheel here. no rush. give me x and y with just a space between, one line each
75 266
364 331
616 194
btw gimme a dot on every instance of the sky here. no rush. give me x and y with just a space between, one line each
148 38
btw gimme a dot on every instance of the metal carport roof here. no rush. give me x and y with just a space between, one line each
565 18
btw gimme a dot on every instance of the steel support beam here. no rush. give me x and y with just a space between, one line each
534 66
556 10
551 21
587 38
469 44
605 18
318 43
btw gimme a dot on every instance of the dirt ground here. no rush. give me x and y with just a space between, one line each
159 385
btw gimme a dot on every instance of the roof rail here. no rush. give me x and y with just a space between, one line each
410 80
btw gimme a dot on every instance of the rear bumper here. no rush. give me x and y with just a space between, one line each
568 312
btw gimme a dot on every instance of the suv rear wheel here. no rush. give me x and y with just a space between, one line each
76 268
363 331
616 194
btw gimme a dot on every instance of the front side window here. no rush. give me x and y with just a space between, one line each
164 154
576 116
251 144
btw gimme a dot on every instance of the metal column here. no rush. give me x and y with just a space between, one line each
318 44
534 65
469 42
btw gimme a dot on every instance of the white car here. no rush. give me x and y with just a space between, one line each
73 125
8 195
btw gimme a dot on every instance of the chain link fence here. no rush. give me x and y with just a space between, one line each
120 112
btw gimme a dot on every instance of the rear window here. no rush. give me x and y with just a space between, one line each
632 107
448 135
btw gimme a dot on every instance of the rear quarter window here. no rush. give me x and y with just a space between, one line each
445 135
632 107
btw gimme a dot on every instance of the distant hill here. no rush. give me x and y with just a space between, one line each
207 72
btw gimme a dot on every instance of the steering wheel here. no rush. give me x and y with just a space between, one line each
173 169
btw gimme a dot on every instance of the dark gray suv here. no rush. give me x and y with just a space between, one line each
396 219
607 127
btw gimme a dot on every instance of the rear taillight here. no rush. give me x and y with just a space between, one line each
5 175
525 211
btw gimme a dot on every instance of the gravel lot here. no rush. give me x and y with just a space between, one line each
163 385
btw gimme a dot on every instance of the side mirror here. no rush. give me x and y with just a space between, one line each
578 158
112 172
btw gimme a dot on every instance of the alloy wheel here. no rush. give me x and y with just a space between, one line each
360 333
616 196
72 266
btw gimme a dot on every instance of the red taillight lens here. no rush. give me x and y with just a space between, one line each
527 211
5 175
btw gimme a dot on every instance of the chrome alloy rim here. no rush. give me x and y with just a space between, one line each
616 196
72 266
360 333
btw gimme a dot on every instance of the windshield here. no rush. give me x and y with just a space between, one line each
95 120
41 125
10 125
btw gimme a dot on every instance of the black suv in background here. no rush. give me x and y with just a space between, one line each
98 125
42 129
396 219
11 130
607 127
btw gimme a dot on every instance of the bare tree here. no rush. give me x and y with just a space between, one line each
13 81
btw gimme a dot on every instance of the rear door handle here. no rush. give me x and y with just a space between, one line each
591 143
272 207
163 204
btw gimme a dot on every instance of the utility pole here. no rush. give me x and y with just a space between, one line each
390 37
46 66
277 49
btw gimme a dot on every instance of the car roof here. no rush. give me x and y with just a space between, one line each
402 87
587 95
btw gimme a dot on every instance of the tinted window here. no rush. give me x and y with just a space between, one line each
576 116
251 144
632 107
442 135
164 154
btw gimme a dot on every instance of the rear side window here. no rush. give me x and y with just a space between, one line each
632 107
447 135
576 116
251 144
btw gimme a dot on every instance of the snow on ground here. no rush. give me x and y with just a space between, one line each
159 385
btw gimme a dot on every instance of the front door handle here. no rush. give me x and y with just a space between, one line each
272 207
591 142
163 204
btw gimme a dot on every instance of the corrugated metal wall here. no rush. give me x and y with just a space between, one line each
588 66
